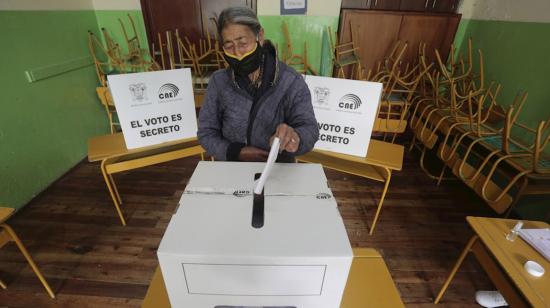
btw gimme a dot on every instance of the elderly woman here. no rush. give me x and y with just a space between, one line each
256 99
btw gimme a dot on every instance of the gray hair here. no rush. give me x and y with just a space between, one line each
240 15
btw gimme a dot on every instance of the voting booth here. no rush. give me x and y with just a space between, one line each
214 253
345 111
154 107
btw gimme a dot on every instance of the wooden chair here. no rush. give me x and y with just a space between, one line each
446 85
476 130
345 56
136 54
106 100
109 60
298 62
7 234
449 107
111 47
398 93
530 162
207 56
391 64
103 61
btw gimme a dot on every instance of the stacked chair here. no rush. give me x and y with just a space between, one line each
476 137
298 62
456 118
178 52
400 86
109 59
345 57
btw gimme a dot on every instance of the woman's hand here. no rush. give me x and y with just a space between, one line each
289 139
250 153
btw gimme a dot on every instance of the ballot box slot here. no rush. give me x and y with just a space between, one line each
258 207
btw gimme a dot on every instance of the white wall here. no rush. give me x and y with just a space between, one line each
69 5
506 10
124 5
45 5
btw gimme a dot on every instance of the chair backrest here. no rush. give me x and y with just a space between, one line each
134 46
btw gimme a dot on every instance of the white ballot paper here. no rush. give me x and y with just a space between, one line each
270 162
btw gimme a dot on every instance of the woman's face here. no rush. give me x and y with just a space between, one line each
239 40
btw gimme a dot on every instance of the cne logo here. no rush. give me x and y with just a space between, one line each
350 102
323 196
241 193
168 90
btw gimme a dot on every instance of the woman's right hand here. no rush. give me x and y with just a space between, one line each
250 153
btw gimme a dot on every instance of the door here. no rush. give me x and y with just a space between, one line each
211 9
188 16
167 15
437 31
375 33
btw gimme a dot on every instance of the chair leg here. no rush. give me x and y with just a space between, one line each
413 142
455 268
386 185
29 259
441 174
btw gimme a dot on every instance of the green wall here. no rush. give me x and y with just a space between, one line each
516 55
302 28
45 125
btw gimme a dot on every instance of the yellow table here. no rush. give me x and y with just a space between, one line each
503 262
382 158
115 157
369 285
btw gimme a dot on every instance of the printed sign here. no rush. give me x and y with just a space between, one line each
154 107
293 7
345 111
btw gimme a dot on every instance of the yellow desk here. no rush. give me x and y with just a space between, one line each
382 158
369 285
115 157
503 262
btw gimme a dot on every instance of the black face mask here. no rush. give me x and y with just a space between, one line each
247 64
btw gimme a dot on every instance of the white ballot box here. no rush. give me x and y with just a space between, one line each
213 256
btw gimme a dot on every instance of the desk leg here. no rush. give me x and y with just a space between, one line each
113 191
455 268
386 185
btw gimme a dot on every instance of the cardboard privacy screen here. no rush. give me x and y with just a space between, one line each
345 111
154 107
